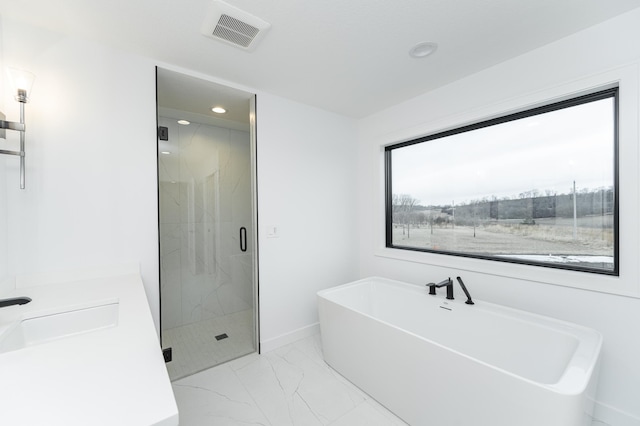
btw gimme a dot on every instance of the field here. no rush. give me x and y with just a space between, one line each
594 236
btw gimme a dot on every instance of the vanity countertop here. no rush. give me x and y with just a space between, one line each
110 376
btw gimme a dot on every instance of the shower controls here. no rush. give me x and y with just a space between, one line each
163 133
167 354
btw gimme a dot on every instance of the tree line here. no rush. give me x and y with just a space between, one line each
526 208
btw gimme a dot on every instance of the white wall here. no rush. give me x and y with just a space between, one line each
603 53
5 284
306 176
90 197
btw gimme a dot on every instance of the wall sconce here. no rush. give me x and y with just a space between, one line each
21 82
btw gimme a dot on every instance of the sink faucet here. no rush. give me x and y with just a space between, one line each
14 301
447 282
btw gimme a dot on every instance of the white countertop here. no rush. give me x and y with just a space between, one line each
112 376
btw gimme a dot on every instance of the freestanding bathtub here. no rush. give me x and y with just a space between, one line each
441 362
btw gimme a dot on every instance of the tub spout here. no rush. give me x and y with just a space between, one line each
448 283
466 292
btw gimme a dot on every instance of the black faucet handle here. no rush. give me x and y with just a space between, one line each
443 283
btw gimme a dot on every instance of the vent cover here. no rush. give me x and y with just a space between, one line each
233 26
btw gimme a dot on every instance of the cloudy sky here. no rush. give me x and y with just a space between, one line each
544 152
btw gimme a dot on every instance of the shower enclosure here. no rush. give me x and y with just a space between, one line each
206 211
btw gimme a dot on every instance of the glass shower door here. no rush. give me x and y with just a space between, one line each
206 245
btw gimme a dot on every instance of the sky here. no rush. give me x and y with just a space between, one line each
545 152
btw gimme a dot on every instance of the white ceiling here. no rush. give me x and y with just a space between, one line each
179 93
346 56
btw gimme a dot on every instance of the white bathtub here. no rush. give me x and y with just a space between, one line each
441 362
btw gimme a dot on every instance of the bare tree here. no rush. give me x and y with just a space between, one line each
402 207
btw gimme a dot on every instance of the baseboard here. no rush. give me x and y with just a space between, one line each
284 339
606 415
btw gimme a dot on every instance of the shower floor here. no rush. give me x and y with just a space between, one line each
195 348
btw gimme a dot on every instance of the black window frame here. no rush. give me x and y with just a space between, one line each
612 92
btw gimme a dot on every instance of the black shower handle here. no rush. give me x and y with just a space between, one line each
243 239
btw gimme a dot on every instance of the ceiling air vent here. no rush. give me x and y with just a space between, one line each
233 26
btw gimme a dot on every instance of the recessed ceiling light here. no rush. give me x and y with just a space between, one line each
422 50
165 152
184 122
218 110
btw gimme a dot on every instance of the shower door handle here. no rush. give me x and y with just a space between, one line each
243 239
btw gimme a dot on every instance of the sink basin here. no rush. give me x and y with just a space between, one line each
45 328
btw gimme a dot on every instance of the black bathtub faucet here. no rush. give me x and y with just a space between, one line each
449 284
466 292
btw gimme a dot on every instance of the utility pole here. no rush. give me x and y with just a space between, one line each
575 213
453 211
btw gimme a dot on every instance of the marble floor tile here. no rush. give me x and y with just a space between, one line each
216 397
291 385
368 414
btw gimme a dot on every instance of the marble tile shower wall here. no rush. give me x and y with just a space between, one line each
205 197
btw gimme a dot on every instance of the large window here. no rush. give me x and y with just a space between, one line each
536 187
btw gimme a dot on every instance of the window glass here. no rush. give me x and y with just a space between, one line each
536 187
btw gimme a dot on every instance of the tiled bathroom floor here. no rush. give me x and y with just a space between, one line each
289 386
195 348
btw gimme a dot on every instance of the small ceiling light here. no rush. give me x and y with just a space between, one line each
165 152
184 122
422 50
218 110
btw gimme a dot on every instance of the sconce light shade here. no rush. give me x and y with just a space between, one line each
22 82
